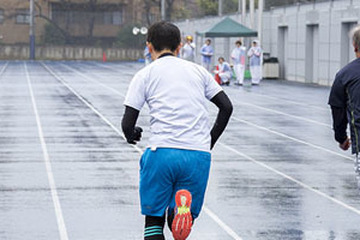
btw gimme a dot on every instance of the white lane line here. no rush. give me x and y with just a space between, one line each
283 113
290 101
54 193
238 102
293 139
292 179
94 81
242 103
235 118
212 215
3 69
87 103
223 225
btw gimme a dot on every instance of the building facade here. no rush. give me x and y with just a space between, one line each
77 18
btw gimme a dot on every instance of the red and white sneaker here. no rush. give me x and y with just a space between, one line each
182 222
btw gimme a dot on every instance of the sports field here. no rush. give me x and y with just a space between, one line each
67 173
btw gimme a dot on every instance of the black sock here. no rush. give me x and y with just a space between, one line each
154 228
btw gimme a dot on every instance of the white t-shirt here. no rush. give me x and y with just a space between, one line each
176 92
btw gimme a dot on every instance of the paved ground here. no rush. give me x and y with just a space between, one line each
66 172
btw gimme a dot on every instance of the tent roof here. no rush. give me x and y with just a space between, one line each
228 28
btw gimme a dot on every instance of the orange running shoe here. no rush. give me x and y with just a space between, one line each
182 222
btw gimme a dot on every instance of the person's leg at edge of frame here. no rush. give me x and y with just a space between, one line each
357 170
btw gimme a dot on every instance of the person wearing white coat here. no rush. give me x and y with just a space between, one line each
238 56
255 55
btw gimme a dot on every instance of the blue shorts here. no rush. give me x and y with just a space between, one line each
164 171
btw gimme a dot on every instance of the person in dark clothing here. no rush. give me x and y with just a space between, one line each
174 168
344 100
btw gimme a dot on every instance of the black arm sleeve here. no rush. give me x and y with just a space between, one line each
340 122
222 101
128 122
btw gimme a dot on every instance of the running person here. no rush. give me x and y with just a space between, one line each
174 169
344 100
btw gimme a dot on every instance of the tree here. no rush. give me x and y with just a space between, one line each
169 8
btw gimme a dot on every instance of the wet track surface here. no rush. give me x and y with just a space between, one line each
67 173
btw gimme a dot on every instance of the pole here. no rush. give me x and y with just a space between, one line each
260 15
220 10
243 13
252 10
163 10
32 31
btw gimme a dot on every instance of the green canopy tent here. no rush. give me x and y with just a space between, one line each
226 28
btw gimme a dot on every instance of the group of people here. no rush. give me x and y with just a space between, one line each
174 169
223 70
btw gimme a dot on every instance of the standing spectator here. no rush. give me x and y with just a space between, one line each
224 71
344 100
147 56
174 169
238 57
188 50
207 52
255 53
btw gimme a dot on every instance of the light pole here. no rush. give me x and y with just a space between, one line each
260 20
163 10
32 31
220 10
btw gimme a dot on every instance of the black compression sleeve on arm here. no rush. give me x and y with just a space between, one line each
340 122
222 101
128 123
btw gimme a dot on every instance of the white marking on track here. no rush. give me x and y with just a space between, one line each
3 69
54 193
235 118
292 138
284 114
88 104
292 179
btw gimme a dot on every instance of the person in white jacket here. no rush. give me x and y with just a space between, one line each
188 50
255 54
238 56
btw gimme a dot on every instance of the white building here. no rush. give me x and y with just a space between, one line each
311 41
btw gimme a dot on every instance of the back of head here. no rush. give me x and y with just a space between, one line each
164 35
355 35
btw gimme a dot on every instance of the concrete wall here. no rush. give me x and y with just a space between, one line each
69 53
310 40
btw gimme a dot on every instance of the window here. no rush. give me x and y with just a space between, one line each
80 14
22 16
117 18
2 16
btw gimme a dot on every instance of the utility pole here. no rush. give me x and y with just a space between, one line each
243 12
163 10
260 15
32 30
220 10
252 10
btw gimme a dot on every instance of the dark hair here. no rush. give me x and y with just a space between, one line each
164 35
221 59
238 42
